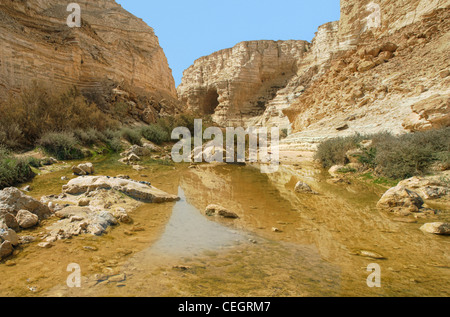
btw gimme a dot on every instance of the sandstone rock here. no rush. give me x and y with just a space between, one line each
141 151
438 228
365 66
10 221
12 200
430 113
9 235
216 210
83 169
84 202
428 187
400 200
122 216
26 219
334 170
131 188
301 187
45 245
6 249
389 47
111 44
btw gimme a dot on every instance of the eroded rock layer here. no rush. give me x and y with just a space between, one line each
111 46
236 84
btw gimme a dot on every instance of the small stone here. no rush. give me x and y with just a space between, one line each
216 210
301 187
276 230
90 248
26 219
6 249
45 245
9 235
439 228
84 202
444 73
117 278
365 66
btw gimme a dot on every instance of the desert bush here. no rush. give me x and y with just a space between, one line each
62 145
25 118
333 151
395 157
410 154
155 134
132 135
115 145
13 171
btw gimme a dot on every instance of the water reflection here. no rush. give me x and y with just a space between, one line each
189 232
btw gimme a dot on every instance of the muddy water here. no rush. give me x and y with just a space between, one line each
175 250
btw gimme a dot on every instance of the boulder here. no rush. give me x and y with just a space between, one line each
6 249
83 202
26 219
10 221
428 114
83 169
365 66
301 187
401 200
389 47
334 170
9 235
428 187
216 210
134 189
12 200
439 228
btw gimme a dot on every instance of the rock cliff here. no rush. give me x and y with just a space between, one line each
234 85
112 46
383 66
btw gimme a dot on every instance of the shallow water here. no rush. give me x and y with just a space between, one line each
175 250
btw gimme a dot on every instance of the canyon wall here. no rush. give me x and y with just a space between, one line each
234 85
380 68
111 46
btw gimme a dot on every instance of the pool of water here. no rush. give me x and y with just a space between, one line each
175 250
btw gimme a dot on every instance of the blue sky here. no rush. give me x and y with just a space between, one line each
190 29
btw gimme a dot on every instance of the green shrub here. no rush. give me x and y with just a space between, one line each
25 118
155 134
333 152
395 157
115 145
62 145
13 171
132 135
410 154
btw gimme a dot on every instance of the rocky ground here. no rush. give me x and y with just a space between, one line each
87 205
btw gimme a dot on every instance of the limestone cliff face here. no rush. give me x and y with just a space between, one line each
234 85
383 67
393 15
397 81
112 45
